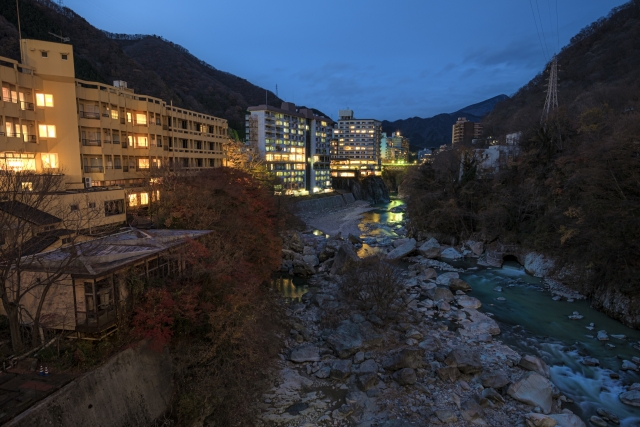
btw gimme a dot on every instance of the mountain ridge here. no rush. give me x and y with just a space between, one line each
435 131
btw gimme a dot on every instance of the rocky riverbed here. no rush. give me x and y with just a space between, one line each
437 362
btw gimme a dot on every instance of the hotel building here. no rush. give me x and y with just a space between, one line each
465 131
395 148
355 148
295 143
105 139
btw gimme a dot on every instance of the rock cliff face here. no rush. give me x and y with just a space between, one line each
371 188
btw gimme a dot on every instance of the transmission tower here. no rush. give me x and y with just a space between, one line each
551 103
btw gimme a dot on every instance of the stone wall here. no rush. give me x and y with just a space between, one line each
371 188
325 202
132 389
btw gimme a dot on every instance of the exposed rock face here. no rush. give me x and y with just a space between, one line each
405 376
535 364
305 353
371 188
533 389
537 265
405 358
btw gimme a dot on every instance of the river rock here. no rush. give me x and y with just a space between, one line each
498 289
437 294
533 389
631 398
349 338
602 336
340 369
459 285
568 420
497 379
465 301
405 358
405 376
629 366
311 260
597 421
354 239
535 364
466 360
427 274
450 253
540 420
590 361
399 242
305 353
472 412
448 373
476 247
446 416
445 278
344 257
402 250
443 305
367 381
480 324
430 249
608 415
492 395
368 366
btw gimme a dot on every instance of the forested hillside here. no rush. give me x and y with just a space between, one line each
573 193
150 64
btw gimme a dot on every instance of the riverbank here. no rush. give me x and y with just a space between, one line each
437 363
338 221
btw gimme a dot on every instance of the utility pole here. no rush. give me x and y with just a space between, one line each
551 103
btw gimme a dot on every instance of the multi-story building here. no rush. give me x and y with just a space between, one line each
295 143
355 148
98 135
465 131
395 148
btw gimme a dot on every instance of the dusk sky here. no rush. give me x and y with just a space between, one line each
383 59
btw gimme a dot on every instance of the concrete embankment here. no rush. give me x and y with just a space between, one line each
322 203
133 388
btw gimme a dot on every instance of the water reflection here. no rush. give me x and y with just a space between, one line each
290 287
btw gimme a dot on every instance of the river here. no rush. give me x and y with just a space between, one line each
534 323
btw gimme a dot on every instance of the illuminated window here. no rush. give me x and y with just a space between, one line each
143 142
47 131
157 192
49 160
133 200
143 163
44 100
157 163
27 186
141 119
129 117
269 157
144 198
114 114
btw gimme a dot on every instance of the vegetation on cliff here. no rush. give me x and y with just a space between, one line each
574 190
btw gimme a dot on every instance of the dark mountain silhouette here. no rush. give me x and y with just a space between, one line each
150 64
436 131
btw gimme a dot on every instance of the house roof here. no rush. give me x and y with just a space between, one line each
115 251
28 213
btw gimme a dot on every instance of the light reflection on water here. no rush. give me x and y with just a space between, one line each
290 287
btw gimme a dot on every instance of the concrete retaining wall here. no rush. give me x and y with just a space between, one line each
131 389
325 202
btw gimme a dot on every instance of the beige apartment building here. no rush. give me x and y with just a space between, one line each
355 148
465 131
103 138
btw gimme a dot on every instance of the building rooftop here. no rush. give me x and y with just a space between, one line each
100 256
28 213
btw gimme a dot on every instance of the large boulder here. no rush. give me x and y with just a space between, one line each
427 274
402 250
438 294
340 369
344 257
479 324
476 247
405 376
535 364
459 285
349 338
450 253
445 278
405 358
305 353
533 389
472 412
465 301
466 360
631 398
567 420
537 265
369 366
430 249
497 379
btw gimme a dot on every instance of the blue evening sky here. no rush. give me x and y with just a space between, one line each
390 59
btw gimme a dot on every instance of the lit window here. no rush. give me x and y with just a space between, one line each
143 141
141 119
143 163
44 100
49 160
27 186
47 131
157 163
144 198
129 117
133 200
114 114
157 194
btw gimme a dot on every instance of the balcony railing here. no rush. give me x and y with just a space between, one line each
89 115
117 167
91 142
29 138
26 106
93 169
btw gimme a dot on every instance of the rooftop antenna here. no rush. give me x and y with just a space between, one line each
63 39
19 33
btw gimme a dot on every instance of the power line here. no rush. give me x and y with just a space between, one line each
542 29
557 26
535 21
